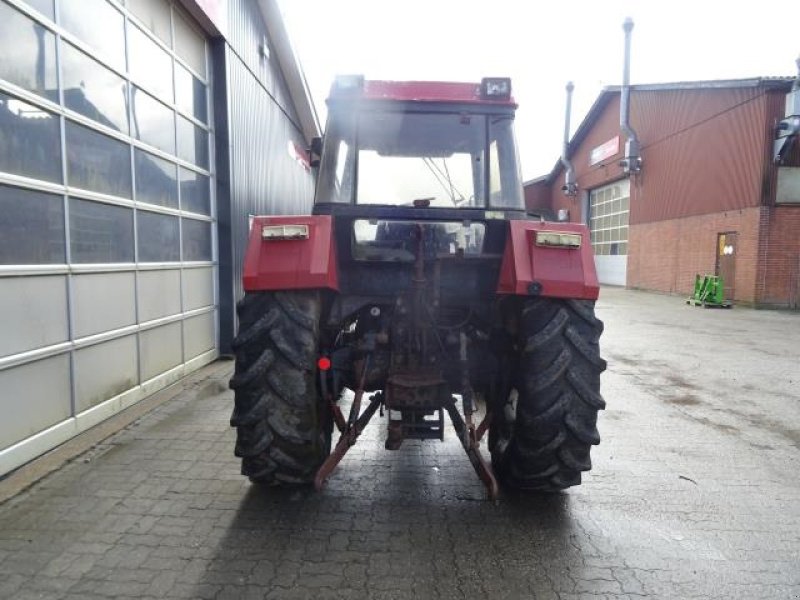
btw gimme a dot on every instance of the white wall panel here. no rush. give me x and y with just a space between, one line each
104 371
103 301
159 294
198 288
160 349
33 397
198 335
34 311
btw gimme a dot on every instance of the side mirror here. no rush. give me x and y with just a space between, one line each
315 150
316 146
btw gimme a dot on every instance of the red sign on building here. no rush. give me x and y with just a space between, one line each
604 151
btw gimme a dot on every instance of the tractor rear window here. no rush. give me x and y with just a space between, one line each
394 158
398 240
404 157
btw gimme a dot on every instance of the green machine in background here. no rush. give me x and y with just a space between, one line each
709 292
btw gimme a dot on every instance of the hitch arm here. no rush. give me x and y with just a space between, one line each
472 448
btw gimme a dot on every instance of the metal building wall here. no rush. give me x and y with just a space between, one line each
703 151
261 126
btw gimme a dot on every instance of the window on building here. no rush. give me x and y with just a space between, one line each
195 192
93 90
27 53
190 94
26 211
158 237
153 122
97 23
192 143
196 240
100 233
150 64
97 162
29 140
156 179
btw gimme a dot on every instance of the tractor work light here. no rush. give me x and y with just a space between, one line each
348 83
496 88
558 239
284 232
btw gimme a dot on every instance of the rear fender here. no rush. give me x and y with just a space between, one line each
529 269
291 264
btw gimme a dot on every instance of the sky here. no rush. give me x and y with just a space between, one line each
541 46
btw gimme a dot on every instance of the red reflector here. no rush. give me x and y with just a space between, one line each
324 363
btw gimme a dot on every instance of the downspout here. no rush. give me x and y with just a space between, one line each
632 161
570 187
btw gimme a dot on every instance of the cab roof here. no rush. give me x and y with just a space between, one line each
417 91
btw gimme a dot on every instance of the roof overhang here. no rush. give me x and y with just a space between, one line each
212 15
291 69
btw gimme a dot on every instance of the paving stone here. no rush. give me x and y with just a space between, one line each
693 494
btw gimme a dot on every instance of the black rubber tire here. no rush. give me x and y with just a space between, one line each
282 426
543 436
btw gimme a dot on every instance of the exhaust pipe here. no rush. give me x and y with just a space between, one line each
632 162
570 187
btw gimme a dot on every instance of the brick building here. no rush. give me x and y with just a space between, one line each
708 199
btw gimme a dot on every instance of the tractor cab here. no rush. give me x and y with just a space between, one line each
424 169
420 144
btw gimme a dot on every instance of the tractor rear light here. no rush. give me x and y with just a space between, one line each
558 239
284 232
496 88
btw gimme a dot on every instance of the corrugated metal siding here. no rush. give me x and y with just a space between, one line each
265 179
256 124
703 152
246 33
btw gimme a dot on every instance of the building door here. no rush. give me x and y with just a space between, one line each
609 207
726 262
106 154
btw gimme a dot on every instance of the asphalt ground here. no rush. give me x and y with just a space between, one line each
694 493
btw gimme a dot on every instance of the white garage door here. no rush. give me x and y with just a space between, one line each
107 219
609 207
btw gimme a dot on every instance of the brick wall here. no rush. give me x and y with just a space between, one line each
666 255
779 277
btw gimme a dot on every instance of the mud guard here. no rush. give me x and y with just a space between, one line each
534 269
291 263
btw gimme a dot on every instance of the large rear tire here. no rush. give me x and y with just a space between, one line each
283 427
544 433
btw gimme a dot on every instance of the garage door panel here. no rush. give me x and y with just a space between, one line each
198 335
102 302
105 370
160 350
159 294
34 313
198 288
34 397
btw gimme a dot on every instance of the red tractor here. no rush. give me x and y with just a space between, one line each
420 280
